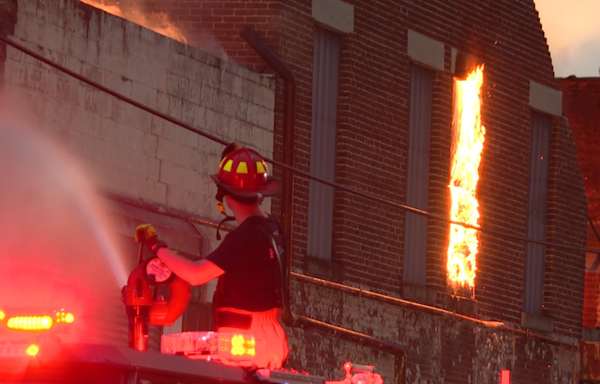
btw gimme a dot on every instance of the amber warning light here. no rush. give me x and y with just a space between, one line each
32 350
237 345
35 323
18 350
209 345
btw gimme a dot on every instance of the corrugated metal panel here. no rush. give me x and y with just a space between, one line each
322 145
536 220
417 182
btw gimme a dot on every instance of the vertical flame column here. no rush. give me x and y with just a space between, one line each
468 135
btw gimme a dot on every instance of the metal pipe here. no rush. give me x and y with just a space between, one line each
500 325
289 112
166 211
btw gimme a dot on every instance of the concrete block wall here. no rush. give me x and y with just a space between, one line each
128 150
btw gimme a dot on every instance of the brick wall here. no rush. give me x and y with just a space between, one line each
581 105
371 156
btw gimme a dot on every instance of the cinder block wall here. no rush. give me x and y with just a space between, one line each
128 150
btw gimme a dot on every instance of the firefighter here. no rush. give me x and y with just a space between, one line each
249 260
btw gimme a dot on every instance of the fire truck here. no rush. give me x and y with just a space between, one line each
34 346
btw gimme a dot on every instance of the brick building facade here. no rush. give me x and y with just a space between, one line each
581 105
379 45
381 76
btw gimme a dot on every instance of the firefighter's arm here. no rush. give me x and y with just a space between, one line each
194 272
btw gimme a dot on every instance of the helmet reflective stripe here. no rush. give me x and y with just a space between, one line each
228 165
242 167
260 168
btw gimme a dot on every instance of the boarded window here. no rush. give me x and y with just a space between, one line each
417 182
322 143
536 214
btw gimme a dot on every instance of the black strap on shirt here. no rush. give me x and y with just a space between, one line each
278 248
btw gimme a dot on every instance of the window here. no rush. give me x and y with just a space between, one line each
536 212
417 182
322 145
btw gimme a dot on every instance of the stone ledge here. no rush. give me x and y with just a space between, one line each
537 322
462 305
419 294
324 269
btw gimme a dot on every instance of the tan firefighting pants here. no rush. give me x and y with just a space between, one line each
268 332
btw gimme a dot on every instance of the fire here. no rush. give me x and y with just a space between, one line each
157 22
468 138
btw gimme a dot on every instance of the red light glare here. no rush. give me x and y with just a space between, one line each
2 315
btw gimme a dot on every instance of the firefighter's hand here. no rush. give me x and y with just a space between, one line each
147 234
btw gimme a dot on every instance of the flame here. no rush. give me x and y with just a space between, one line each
157 22
468 138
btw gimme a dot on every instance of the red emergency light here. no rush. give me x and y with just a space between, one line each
505 376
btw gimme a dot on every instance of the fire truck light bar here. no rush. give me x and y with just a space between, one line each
30 323
35 323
